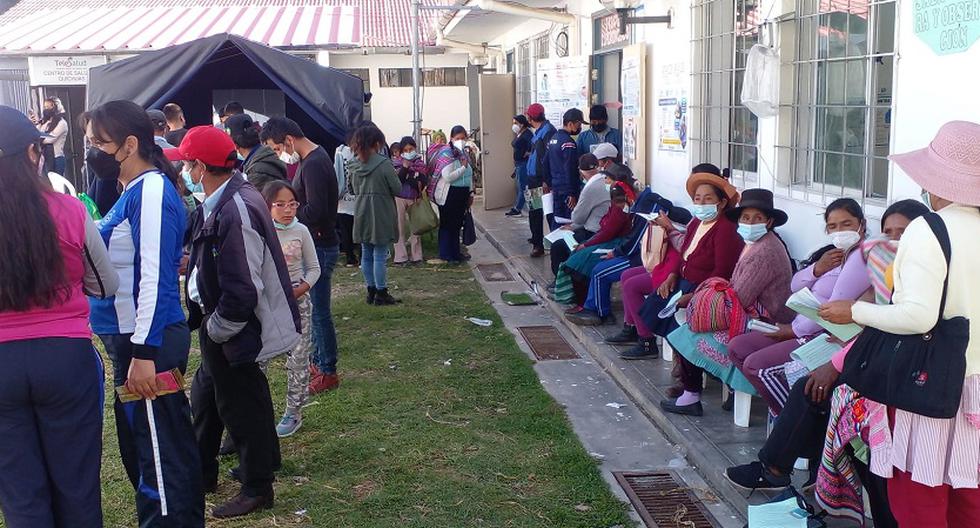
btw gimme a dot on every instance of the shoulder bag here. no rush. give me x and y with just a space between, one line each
653 249
921 374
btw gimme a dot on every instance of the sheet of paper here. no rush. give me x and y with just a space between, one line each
548 203
554 236
562 234
649 217
671 307
562 220
785 514
806 304
816 352
601 251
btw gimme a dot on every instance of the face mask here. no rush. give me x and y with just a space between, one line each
608 187
516 128
240 157
103 164
845 239
193 188
289 159
459 144
48 113
283 227
410 155
751 233
626 208
600 127
705 212
927 199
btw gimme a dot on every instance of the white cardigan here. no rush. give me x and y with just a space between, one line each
919 271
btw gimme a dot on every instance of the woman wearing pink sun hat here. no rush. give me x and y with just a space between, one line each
934 464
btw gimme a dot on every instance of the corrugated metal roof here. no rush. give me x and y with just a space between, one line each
118 25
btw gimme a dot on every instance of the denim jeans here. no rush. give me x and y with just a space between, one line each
324 334
520 180
374 265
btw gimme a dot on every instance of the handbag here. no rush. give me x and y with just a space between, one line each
422 218
921 374
469 229
653 249
715 307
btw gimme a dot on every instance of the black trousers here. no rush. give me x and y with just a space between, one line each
799 432
535 219
345 228
451 223
560 250
235 398
51 393
180 503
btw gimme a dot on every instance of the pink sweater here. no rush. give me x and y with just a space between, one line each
70 317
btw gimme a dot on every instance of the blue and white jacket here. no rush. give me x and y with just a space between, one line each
143 232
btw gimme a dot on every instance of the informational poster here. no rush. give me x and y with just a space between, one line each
671 118
947 26
62 71
563 83
632 90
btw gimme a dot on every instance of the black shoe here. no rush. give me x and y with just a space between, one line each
372 294
227 446
627 336
383 298
513 212
210 486
584 318
729 402
645 349
242 504
755 476
694 409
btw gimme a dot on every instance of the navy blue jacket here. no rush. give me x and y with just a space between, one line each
563 176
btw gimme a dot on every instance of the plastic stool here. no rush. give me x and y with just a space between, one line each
743 408
666 352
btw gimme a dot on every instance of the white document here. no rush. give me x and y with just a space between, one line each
601 251
562 234
548 203
562 220
762 326
649 217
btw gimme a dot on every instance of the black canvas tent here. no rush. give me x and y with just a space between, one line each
326 103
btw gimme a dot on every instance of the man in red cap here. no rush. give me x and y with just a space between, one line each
239 295
537 175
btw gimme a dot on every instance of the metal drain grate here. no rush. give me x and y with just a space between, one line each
663 501
547 343
495 273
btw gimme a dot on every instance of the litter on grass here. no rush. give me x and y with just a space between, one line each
479 322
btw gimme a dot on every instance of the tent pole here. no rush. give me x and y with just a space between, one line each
416 110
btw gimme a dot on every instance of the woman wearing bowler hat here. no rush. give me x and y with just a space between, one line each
761 284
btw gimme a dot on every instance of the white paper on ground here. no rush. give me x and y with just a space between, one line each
548 203
671 305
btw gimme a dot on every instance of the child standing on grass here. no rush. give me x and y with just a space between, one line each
304 270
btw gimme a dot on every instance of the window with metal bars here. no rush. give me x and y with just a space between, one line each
844 64
721 130
524 75
402 77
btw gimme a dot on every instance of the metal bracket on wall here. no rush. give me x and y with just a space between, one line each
625 19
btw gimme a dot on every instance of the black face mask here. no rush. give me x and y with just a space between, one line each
102 164
48 113
600 127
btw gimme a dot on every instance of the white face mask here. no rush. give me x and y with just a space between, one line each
516 128
459 144
845 239
289 159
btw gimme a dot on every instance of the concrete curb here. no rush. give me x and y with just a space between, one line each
701 451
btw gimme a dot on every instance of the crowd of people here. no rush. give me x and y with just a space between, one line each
252 220
714 280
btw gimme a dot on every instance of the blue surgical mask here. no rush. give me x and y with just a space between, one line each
705 212
410 155
608 187
189 182
240 157
283 227
751 233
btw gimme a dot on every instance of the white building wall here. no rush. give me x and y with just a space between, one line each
391 108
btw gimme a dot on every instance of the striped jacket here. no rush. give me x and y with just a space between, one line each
241 278
143 232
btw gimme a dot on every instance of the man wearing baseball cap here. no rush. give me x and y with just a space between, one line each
599 131
606 153
159 121
537 175
563 178
239 295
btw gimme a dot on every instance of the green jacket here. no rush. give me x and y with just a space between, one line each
375 186
263 167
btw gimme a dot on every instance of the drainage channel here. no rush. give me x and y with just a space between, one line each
547 343
663 501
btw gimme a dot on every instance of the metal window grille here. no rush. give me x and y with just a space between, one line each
402 77
841 115
721 130
524 75
542 46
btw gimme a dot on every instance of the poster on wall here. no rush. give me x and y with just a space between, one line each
947 26
632 90
563 83
671 118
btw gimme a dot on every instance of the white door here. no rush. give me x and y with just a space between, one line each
496 117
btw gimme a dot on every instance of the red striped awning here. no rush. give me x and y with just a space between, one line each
148 28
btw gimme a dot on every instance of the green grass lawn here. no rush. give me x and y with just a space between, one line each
438 423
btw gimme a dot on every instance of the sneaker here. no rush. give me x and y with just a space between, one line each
288 425
627 336
324 383
513 212
383 298
693 409
755 476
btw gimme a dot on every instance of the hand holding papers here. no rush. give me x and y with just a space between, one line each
805 303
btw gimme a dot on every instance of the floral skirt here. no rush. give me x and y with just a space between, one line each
709 350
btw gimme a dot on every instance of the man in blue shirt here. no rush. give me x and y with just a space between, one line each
537 175
563 178
599 131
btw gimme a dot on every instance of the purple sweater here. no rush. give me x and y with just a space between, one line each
763 274
844 283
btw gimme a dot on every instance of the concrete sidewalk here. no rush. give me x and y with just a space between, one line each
708 444
610 423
